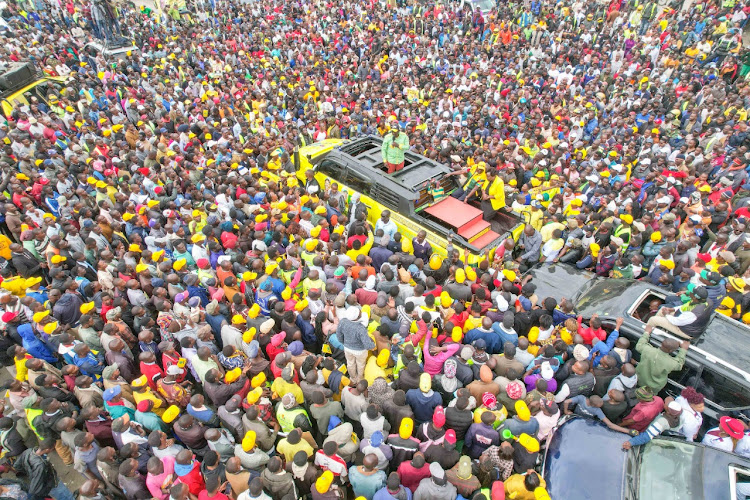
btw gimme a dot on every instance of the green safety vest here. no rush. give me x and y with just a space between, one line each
286 418
31 414
621 231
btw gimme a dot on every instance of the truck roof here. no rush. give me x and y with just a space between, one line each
417 169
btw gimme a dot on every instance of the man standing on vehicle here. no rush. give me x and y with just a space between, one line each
394 145
687 321
657 362
493 195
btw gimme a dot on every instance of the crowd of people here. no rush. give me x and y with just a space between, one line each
185 317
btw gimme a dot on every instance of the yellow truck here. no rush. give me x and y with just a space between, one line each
21 81
357 167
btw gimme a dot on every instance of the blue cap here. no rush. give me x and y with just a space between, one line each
333 422
110 393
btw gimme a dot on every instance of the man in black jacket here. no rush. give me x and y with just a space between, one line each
43 480
24 261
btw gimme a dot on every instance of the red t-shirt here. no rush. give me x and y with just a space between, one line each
193 480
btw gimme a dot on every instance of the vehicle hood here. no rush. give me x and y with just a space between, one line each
584 460
558 281
608 297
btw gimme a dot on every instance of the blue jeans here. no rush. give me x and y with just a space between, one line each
61 492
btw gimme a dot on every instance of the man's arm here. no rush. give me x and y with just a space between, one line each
643 341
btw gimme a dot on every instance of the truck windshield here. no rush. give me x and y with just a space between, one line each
671 470
483 5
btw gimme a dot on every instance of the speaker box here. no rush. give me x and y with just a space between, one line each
17 76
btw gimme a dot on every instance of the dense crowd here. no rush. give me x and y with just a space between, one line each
185 317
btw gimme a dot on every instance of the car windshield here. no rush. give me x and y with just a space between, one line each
484 5
670 470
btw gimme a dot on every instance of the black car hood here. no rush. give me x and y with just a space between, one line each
584 460
559 280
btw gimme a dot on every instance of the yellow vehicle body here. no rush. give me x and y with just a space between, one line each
18 98
406 226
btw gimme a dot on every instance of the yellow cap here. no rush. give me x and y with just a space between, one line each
87 307
152 203
530 443
179 264
435 262
258 380
237 319
406 427
383 356
140 267
248 335
57 259
248 442
457 334
595 248
157 255
127 216
254 311
286 293
471 274
323 483
522 410
134 247
656 236
38 317
254 395
171 414
460 276
198 237
233 375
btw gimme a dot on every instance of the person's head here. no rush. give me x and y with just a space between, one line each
531 481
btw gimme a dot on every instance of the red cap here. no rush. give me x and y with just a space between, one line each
450 436
705 257
278 339
202 263
9 316
142 406
438 418
158 189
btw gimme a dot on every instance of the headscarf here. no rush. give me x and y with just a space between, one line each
380 392
449 380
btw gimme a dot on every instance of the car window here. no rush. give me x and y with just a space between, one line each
722 390
670 469
330 168
358 183
739 480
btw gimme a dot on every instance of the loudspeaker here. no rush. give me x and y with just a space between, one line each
17 76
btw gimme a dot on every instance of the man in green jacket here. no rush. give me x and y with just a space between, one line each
657 362
394 145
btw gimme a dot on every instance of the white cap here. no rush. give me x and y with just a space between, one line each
546 371
175 370
436 470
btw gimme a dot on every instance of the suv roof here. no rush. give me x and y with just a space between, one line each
417 170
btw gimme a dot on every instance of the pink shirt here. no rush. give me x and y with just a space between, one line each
154 483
